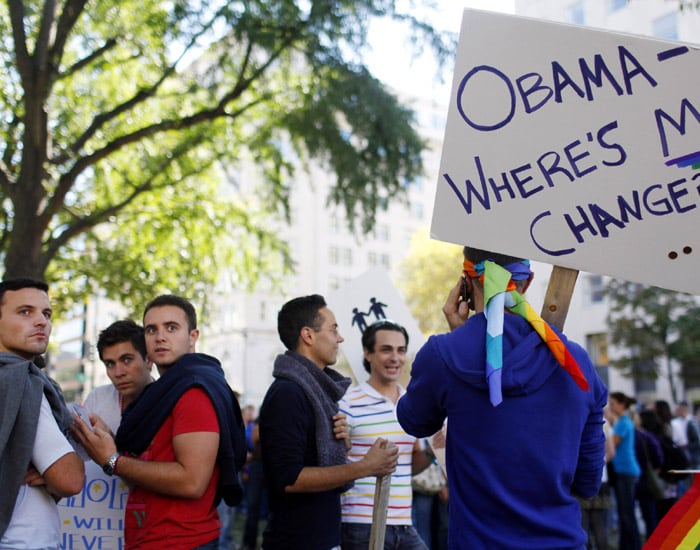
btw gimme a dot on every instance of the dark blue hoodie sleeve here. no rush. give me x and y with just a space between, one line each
421 411
591 461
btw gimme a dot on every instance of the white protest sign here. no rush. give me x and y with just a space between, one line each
363 301
576 147
94 518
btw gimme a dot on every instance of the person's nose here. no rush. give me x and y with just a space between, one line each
40 320
340 338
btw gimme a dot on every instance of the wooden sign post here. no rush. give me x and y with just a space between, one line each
379 510
558 296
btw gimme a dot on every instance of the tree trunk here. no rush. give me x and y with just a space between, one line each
671 379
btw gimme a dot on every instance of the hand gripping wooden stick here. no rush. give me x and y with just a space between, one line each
381 502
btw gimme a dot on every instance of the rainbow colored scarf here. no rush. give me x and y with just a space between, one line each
500 294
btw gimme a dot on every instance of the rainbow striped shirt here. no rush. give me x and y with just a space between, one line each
371 415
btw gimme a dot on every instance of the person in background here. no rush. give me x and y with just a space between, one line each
370 409
38 464
686 433
255 486
504 378
180 445
664 414
430 499
649 454
595 511
122 349
627 471
304 439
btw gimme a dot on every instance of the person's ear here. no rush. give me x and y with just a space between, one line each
194 336
306 336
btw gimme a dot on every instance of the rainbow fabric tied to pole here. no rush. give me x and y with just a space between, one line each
499 294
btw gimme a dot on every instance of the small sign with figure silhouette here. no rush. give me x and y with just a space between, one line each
365 300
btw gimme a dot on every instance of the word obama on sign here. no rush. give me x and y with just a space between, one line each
584 144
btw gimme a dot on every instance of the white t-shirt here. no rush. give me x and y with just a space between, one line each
34 524
679 425
104 402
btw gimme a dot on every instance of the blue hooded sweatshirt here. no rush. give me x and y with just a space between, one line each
514 470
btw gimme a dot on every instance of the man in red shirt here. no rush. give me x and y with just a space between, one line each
180 444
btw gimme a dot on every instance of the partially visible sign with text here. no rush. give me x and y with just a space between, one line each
575 147
94 518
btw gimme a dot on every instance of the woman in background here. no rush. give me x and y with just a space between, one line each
627 470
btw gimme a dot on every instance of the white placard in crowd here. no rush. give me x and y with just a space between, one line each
363 301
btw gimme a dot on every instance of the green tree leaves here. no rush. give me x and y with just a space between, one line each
653 327
147 145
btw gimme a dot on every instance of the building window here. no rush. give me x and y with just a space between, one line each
333 255
347 256
597 347
335 225
383 232
263 311
614 5
371 259
576 13
386 261
666 27
596 289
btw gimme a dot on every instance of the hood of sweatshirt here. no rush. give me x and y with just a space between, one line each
527 361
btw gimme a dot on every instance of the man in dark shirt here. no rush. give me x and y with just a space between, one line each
304 439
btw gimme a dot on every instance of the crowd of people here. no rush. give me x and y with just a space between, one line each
309 463
647 444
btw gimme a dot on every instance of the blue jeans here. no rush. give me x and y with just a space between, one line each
227 515
625 486
254 492
423 516
355 536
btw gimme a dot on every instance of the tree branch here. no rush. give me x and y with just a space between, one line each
66 21
5 181
99 52
83 224
20 39
41 48
142 95
68 179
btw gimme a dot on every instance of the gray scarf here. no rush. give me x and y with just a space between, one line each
22 384
323 388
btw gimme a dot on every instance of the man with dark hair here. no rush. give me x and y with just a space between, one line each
525 409
122 349
303 436
371 410
38 465
181 444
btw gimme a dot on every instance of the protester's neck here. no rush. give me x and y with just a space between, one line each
390 390
311 357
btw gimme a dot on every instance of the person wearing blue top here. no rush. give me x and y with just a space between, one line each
626 469
521 444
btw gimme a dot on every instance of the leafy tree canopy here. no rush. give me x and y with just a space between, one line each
429 272
122 124
654 327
